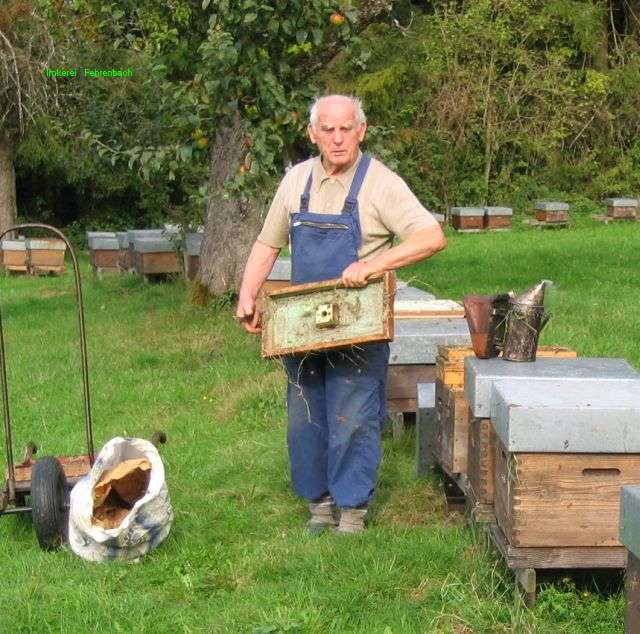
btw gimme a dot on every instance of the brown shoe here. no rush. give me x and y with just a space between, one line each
352 521
323 515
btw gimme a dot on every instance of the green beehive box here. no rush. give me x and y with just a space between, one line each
327 315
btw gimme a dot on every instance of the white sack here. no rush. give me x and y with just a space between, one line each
145 526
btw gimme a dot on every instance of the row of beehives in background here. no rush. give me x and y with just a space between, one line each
146 252
33 256
546 214
540 452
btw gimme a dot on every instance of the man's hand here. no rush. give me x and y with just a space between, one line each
356 274
248 316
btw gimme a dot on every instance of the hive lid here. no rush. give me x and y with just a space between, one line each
498 211
551 206
14 245
153 245
621 202
143 233
467 211
100 234
480 374
551 416
417 340
51 244
630 518
438 217
99 243
281 270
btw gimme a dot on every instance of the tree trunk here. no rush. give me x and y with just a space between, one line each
232 223
8 211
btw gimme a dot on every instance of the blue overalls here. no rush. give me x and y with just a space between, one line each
335 399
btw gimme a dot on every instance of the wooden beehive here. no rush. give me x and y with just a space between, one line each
467 218
562 454
453 411
104 253
622 207
155 256
552 212
45 255
497 217
14 255
327 315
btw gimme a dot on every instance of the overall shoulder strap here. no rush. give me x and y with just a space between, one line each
306 194
351 200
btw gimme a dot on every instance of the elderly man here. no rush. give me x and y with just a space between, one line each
339 212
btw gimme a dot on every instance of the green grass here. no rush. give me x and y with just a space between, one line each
237 559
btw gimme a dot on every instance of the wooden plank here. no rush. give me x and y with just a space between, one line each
632 596
401 405
480 460
73 466
557 499
403 379
426 309
266 289
364 314
478 512
614 557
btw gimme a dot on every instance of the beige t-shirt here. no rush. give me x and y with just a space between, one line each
387 206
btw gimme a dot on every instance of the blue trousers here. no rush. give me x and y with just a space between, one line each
336 409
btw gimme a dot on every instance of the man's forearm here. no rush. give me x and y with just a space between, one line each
417 246
257 269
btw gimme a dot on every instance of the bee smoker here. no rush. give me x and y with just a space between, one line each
486 316
525 319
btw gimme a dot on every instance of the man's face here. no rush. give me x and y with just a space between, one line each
338 134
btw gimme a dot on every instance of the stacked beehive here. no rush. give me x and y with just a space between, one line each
193 244
104 251
14 255
462 451
45 255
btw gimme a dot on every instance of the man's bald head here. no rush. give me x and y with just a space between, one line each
332 101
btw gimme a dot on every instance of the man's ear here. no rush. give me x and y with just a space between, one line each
362 131
312 133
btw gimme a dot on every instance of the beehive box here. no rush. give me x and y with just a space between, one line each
467 218
45 255
133 234
562 454
440 218
104 253
327 315
14 255
481 374
630 538
155 256
621 207
497 217
125 256
552 212
193 243
453 410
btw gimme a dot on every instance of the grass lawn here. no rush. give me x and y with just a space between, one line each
237 559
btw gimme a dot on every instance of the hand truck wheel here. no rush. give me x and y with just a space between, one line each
49 493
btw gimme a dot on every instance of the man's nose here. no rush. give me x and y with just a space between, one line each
337 137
